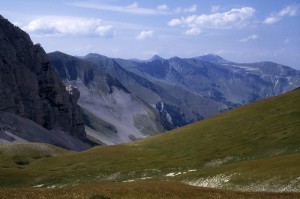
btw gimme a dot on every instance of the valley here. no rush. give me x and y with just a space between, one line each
188 126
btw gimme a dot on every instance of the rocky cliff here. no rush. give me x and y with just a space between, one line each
30 87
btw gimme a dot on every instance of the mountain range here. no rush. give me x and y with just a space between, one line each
120 100
55 108
166 93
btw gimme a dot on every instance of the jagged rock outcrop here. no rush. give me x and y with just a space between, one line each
30 87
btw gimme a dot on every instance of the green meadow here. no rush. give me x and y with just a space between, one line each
248 152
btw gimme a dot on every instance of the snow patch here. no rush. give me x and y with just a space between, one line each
51 187
38 186
128 180
247 68
145 178
133 180
172 174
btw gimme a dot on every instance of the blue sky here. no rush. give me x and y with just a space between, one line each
240 31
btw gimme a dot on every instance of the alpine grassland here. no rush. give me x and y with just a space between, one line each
248 152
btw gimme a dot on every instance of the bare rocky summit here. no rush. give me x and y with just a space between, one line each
31 88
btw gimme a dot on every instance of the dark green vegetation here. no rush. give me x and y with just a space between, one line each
251 148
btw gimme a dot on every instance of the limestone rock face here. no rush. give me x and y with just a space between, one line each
31 87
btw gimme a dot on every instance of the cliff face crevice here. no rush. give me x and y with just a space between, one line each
31 87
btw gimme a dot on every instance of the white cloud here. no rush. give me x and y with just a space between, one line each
250 37
134 8
233 18
215 8
175 22
290 10
193 31
271 20
62 25
134 5
163 7
105 31
145 34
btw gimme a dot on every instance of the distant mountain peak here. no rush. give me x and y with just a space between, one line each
212 58
175 58
58 53
156 57
94 55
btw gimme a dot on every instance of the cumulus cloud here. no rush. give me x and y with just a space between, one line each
105 31
61 25
248 38
233 18
271 20
290 10
175 22
145 34
193 31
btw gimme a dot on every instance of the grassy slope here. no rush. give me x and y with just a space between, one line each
241 141
15 157
138 190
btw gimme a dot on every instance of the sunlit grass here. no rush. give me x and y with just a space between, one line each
251 144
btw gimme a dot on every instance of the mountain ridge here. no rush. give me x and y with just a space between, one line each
112 114
185 90
231 83
177 112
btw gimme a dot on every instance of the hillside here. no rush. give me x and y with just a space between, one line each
251 148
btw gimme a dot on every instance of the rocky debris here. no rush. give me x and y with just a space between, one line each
14 128
30 87
111 113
